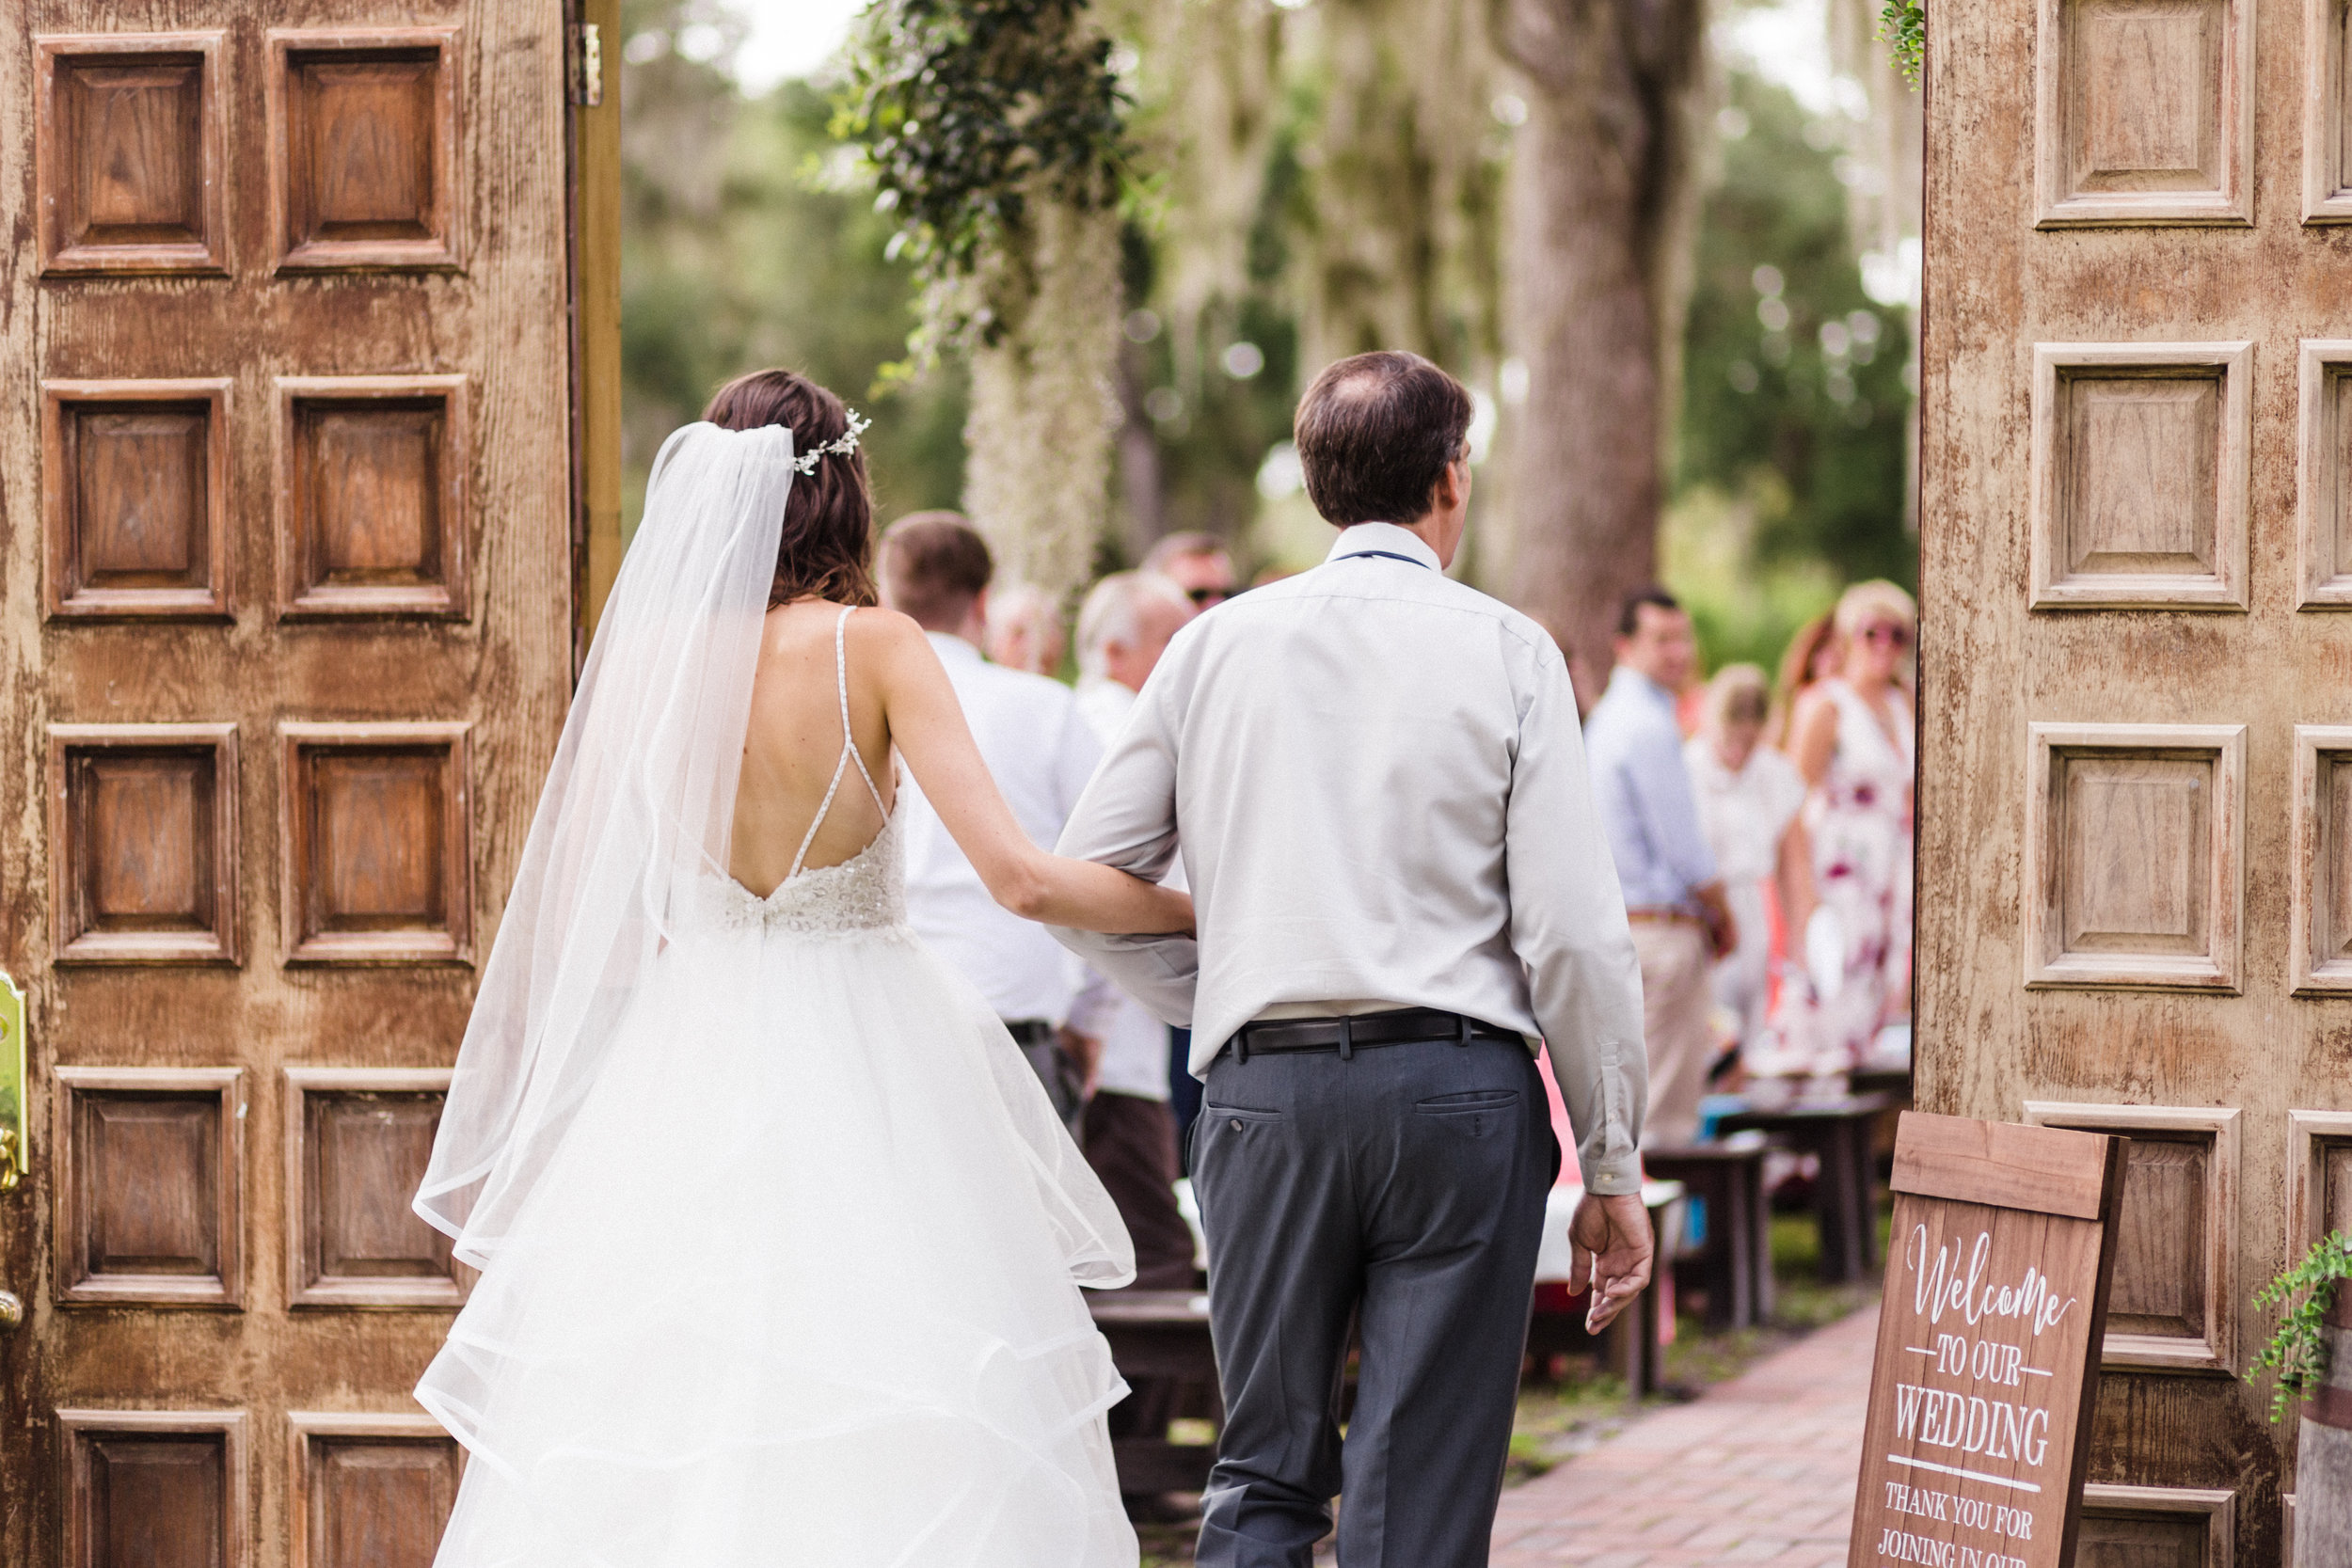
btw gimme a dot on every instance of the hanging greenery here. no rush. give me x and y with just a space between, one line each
1903 28
2296 1355
969 113
994 131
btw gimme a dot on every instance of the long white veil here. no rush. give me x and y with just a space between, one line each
639 803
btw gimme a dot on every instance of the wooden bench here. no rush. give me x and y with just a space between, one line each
1734 1265
1161 1335
1630 1344
1840 1133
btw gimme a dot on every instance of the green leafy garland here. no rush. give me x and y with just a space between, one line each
2298 1354
968 109
1903 28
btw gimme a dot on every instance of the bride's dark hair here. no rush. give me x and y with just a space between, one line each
827 550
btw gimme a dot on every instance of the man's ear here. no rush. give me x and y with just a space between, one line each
1442 494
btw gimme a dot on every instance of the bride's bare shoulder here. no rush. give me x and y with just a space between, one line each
886 637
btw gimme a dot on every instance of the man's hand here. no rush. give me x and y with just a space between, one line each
1085 1053
1610 1247
1723 931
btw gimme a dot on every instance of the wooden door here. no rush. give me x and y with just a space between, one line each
286 556
2135 796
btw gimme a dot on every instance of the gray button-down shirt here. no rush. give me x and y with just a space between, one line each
1647 806
1383 794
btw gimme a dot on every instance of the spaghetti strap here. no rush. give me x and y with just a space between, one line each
841 680
848 749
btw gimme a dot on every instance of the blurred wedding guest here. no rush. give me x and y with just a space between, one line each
1674 892
1749 796
1811 654
1025 629
1128 1134
935 569
1853 740
1200 564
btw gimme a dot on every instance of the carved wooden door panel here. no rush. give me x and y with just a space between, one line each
2135 799
285 623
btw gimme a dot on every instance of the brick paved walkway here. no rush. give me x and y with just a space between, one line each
1760 1470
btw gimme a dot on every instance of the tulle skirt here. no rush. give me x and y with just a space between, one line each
799 1289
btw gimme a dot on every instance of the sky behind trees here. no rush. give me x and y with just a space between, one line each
749 243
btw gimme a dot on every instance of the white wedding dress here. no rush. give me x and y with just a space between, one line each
796 1283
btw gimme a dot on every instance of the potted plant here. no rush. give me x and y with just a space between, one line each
2311 1356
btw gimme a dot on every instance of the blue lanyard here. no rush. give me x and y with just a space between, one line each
1388 555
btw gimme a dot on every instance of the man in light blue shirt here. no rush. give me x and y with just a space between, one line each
1649 812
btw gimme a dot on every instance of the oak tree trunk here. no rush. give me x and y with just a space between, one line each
1602 211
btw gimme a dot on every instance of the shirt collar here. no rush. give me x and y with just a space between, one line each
1636 684
1360 538
953 649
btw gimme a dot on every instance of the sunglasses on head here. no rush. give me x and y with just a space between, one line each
1894 637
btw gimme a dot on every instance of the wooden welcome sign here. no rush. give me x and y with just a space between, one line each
1988 1351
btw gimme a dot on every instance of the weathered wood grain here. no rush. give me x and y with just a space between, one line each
2000 1165
493 656
1991 667
1986 1366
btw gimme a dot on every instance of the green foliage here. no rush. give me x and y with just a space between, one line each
745 246
2296 1355
1788 477
966 109
1903 28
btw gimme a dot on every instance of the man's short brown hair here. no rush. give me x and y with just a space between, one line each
1180 547
933 565
1374 431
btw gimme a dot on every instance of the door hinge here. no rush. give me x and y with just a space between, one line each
586 64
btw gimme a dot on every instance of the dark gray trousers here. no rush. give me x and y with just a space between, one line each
1402 1189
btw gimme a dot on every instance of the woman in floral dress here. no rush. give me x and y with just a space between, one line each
1852 740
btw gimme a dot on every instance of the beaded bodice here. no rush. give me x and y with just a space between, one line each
865 893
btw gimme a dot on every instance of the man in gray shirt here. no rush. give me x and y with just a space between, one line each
1401 881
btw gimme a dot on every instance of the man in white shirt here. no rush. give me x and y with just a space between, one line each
935 568
1400 879
1130 1138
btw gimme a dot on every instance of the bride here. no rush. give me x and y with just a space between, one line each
779 1237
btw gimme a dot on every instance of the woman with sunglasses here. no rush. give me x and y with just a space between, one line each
1852 741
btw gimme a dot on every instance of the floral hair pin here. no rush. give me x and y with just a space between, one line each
840 446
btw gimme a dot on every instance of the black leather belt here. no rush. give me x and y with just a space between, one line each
1030 1031
1345 1034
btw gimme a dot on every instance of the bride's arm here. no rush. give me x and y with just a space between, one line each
926 724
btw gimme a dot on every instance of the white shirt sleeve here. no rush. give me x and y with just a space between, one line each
1127 818
1568 928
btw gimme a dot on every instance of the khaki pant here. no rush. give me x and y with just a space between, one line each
1677 1005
